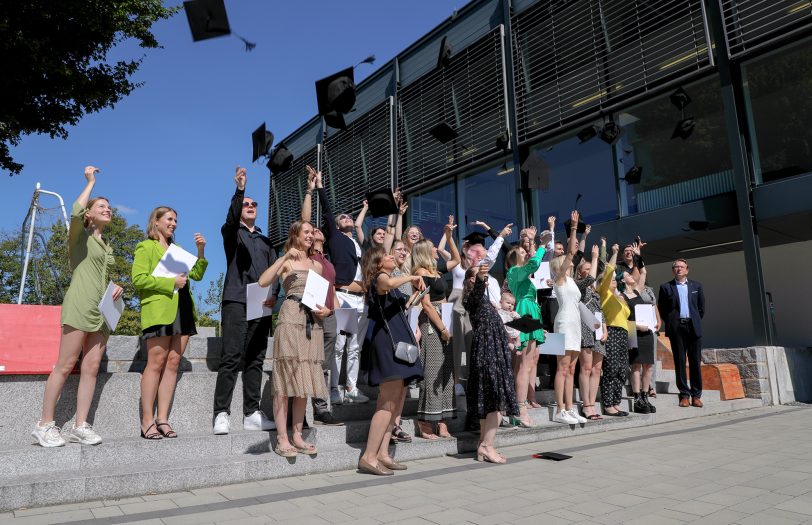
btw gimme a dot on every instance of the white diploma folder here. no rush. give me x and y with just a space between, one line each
644 314
347 320
111 310
541 275
414 313
599 330
553 344
255 295
315 291
587 317
447 315
174 262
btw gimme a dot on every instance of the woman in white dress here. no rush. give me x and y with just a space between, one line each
567 322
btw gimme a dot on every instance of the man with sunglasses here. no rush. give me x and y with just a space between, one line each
248 254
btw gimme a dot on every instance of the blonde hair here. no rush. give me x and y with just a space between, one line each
154 217
422 257
556 264
514 257
90 204
293 234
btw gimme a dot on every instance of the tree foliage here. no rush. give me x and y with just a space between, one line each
208 306
54 57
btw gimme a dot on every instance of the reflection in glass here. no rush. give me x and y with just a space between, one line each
430 210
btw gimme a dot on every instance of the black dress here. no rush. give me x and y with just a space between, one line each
491 385
644 353
184 323
383 366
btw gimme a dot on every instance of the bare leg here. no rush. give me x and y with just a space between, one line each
562 368
569 383
95 345
646 381
442 429
157 351
169 378
379 428
531 379
280 416
636 378
299 407
487 434
584 382
70 347
595 379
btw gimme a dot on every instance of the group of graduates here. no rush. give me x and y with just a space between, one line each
381 278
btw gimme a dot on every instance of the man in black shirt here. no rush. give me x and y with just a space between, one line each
248 254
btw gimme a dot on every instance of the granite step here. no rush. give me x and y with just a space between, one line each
246 456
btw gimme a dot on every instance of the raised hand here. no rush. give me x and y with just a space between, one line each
588 229
615 248
180 281
311 180
551 222
403 207
595 251
241 178
315 174
574 216
90 173
546 237
365 204
200 241
531 232
449 228
603 241
506 231
481 224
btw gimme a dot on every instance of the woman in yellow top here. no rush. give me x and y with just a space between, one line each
83 326
616 363
167 319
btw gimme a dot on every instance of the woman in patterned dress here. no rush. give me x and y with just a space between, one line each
592 349
298 343
83 326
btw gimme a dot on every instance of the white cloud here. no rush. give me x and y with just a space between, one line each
124 210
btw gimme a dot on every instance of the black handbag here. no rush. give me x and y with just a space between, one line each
404 351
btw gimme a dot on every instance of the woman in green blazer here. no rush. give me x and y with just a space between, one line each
167 319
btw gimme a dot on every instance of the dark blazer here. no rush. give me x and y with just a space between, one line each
668 305
341 247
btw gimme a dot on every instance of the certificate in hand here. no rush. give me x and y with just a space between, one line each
541 275
553 344
315 291
347 320
644 314
111 310
447 314
255 295
599 329
587 317
175 261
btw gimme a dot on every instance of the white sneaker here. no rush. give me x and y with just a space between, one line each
335 396
355 396
84 434
574 413
48 435
459 390
221 424
258 421
562 416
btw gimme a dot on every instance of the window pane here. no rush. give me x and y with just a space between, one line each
430 210
778 87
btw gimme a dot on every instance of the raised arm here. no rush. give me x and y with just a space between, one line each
359 222
307 204
572 249
593 270
499 242
582 244
452 246
232 224
445 254
402 207
199 269
328 219
90 175
641 267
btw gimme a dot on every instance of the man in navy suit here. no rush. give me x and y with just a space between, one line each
681 303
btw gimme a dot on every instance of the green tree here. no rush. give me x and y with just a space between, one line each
54 55
208 306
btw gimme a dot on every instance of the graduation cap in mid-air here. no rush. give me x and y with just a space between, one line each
382 202
208 19
280 160
335 96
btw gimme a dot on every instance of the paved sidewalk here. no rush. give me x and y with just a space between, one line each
750 467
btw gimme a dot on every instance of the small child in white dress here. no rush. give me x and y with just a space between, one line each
507 303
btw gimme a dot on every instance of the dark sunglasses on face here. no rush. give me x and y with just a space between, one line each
249 204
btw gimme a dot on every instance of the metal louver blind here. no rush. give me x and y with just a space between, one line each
468 95
752 23
286 197
573 58
358 159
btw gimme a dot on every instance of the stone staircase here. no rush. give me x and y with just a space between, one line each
126 465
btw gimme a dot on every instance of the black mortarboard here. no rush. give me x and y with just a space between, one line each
698 226
684 128
381 202
280 160
587 133
680 98
525 324
207 18
443 132
538 172
634 175
610 132
444 57
475 238
335 96
503 141
262 140
553 456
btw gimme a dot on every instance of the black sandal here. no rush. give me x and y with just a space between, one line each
400 436
169 433
151 435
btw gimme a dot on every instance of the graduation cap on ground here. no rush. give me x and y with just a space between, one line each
587 133
280 160
680 98
208 19
538 172
261 140
684 128
381 202
444 57
475 238
335 96
610 132
525 324
634 175
552 456
443 132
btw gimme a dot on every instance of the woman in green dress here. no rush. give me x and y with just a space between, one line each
518 279
83 328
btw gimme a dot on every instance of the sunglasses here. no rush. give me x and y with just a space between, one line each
249 204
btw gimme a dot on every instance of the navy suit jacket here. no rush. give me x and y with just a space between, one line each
668 305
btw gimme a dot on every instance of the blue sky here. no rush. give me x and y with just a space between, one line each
177 139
